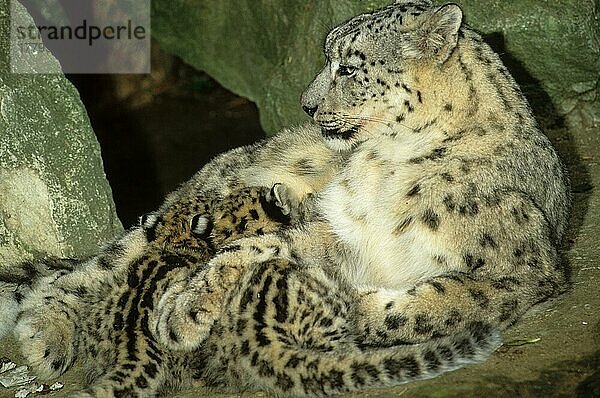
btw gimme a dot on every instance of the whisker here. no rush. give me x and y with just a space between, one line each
380 121
376 120
369 118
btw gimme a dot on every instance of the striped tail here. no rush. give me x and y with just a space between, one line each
17 281
287 371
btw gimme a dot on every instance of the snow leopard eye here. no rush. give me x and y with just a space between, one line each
346 70
200 225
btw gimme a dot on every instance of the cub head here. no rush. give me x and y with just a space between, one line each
198 223
370 83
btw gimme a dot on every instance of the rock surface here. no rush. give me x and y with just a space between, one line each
54 197
268 51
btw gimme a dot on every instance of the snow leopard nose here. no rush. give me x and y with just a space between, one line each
309 111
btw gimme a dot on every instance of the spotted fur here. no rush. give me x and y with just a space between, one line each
42 308
290 330
278 325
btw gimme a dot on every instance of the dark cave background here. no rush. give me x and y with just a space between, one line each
157 130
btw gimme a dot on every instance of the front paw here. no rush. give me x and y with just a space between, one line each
189 308
47 342
296 209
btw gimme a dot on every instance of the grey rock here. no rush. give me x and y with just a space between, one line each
54 196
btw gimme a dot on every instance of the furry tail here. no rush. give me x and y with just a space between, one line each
291 372
18 281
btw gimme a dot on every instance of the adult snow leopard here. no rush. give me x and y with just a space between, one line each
451 202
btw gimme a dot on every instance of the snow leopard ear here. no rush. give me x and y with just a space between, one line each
201 225
147 220
435 33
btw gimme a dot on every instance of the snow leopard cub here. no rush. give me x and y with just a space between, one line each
111 327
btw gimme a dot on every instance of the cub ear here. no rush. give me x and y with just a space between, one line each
200 225
436 34
147 220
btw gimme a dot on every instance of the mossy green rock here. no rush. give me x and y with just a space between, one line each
558 43
54 196
268 50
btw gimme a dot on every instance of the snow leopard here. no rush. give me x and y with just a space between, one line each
450 203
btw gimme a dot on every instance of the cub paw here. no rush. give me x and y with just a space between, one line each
188 309
47 342
185 315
